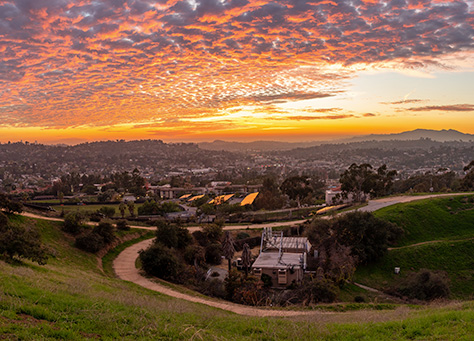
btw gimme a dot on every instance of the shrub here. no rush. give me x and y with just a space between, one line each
96 217
106 231
158 260
97 239
242 235
213 232
213 254
200 237
194 253
21 242
122 225
73 223
166 234
90 242
213 287
107 211
424 285
317 289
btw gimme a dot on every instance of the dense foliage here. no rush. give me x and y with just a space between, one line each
19 241
98 238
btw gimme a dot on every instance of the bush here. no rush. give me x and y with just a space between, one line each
73 223
107 211
97 239
91 242
213 232
173 236
106 231
367 236
242 235
21 242
315 290
122 225
158 260
194 253
213 254
201 238
96 217
425 285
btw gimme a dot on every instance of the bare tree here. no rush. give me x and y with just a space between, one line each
246 258
228 249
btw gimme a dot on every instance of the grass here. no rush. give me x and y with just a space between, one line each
432 219
446 227
455 258
92 208
70 298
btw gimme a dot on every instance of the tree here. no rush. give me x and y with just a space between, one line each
358 180
122 209
228 249
246 254
97 239
131 208
107 211
424 285
213 232
159 261
467 182
297 188
18 241
9 205
122 225
383 181
213 254
73 223
367 236
270 196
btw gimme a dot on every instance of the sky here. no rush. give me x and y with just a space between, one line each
238 70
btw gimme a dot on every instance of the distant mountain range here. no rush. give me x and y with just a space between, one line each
435 135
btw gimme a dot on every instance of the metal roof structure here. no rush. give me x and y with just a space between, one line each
249 199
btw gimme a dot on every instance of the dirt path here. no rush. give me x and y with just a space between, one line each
429 242
124 266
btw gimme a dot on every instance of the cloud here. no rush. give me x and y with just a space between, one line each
404 101
88 62
453 107
311 118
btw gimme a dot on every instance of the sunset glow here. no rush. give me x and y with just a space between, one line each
195 70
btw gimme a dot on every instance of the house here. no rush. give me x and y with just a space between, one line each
282 258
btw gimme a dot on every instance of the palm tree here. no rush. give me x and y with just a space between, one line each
228 249
131 208
246 258
122 208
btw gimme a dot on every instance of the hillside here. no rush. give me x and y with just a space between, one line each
439 235
435 135
71 298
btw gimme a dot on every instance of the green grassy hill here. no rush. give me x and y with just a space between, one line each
71 298
446 227
432 219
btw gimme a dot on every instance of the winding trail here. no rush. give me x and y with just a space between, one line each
124 264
